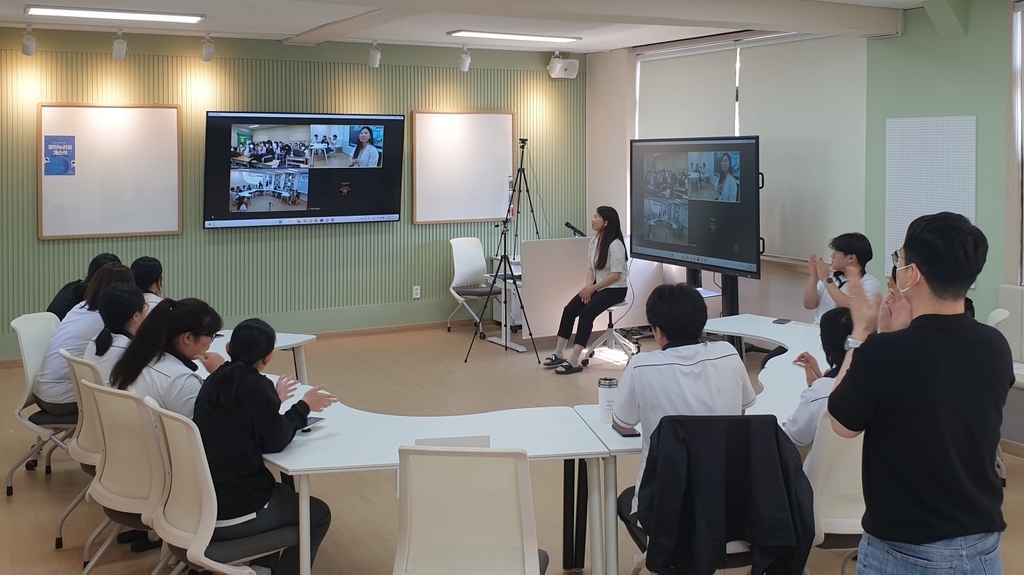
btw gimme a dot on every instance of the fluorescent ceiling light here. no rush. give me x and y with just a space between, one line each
519 37
113 14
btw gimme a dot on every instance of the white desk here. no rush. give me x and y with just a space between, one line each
285 342
354 440
783 382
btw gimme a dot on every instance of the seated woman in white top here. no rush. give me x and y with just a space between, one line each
836 325
159 361
605 287
53 390
149 276
122 308
365 155
726 180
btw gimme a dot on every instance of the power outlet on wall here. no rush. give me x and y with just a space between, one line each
415 292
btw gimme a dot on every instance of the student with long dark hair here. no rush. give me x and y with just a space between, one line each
836 326
149 276
122 308
159 361
53 390
238 415
73 293
605 287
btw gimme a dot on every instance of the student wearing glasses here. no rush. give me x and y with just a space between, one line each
828 290
159 362
929 398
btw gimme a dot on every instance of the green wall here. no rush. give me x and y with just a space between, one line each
920 74
308 279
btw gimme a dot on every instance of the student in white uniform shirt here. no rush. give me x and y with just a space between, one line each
827 291
159 361
605 286
122 308
836 326
149 276
53 390
685 377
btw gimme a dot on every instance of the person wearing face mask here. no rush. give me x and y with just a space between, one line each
929 399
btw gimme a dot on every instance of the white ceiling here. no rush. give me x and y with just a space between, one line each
603 24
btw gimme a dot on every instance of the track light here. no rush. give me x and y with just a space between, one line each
120 46
464 60
208 50
374 59
555 65
28 42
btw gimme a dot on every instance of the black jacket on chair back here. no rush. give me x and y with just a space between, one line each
714 479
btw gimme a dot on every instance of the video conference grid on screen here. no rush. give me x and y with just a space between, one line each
695 203
287 169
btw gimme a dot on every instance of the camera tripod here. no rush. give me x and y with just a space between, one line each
504 270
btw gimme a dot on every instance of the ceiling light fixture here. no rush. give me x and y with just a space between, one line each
374 58
464 60
100 14
559 68
120 46
28 42
518 37
208 50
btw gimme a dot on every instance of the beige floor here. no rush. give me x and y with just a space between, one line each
414 373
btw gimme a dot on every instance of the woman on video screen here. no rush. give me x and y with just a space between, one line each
365 155
726 181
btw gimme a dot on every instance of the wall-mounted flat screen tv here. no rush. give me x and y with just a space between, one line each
694 203
265 169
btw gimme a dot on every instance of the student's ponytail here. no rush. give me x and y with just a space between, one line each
168 320
251 342
118 305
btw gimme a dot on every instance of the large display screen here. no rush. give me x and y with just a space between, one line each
300 169
694 203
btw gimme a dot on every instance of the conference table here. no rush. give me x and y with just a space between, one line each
350 439
783 383
353 440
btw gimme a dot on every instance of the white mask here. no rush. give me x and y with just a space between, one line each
896 280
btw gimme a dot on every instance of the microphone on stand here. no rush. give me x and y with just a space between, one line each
575 230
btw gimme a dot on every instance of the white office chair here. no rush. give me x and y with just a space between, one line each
997 317
130 481
833 468
187 515
466 511
612 338
468 283
86 445
35 330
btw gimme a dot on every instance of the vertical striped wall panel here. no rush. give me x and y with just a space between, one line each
256 271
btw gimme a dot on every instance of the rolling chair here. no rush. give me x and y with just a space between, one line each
34 333
466 510
468 282
833 468
612 338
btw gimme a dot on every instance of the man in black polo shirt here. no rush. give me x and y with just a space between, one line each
929 399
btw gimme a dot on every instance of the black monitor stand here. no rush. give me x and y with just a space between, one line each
730 299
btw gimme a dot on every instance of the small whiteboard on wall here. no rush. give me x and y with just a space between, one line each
462 165
930 166
108 171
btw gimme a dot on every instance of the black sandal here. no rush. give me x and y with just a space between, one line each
553 361
566 368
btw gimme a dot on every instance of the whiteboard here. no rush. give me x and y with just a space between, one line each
462 166
108 171
930 167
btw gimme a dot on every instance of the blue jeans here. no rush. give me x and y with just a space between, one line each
971 555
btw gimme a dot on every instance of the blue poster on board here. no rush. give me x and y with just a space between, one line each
58 155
